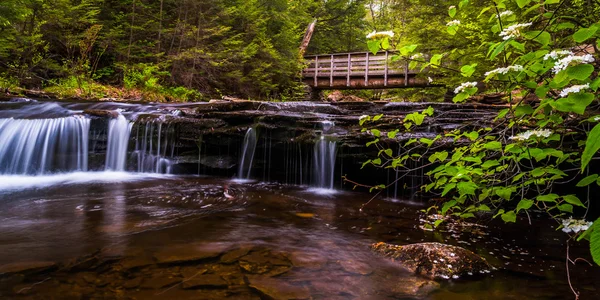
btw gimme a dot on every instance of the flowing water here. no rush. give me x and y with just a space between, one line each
68 230
118 142
247 157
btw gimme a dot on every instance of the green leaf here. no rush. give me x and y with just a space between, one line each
392 134
467 188
580 72
377 117
483 207
389 152
504 193
595 241
436 59
385 44
592 145
588 180
572 199
509 217
448 188
524 204
542 37
441 156
376 162
584 34
373 142
547 198
452 12
376 132
493 146
523 3
408 49
576 103
468 70
499 48
566 208
448 205
374 46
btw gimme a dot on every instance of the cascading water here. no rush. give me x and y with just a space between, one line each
154 144
324 159
247 156
119 130
43 146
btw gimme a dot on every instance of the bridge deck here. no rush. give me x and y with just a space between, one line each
359 70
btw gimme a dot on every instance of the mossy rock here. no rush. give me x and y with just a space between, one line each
435 260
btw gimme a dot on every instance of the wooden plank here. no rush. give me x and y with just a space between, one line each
406 73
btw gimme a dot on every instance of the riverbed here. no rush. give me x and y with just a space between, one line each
150 236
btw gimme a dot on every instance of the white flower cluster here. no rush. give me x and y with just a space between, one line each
524 136
575 226
453 23
564 62
417 56
574 89
556 54
515 68
451 7
513 31
506 13
380 34
464 86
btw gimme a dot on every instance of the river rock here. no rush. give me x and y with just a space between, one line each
272 288
102 113
205 281
435 260
26 267
189 253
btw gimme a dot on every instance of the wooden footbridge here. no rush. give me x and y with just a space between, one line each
360 70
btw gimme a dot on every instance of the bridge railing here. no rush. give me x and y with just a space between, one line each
353 65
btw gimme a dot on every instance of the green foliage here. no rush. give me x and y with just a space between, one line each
521 48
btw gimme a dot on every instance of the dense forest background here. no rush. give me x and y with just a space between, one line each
197 49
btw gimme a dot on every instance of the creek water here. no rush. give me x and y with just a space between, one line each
67 230
129 214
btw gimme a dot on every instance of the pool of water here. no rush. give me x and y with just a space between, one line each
119 235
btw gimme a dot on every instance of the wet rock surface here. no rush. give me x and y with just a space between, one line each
435 260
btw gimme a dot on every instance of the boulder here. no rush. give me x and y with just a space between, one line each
102 113
435 260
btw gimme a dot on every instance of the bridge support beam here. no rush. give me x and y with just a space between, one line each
359 83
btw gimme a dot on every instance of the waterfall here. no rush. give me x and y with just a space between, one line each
43 146
154 144
324 163
247 156
119 130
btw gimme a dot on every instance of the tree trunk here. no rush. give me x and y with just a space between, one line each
131 29
307 36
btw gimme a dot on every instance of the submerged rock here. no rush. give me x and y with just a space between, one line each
102 113
435 260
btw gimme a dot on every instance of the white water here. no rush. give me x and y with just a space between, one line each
119 130
43 146
20 182
324 163
153 154
247 157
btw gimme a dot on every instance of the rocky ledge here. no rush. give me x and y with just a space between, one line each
435 260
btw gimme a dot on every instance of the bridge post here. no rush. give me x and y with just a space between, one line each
349 70
367 71
406 73
331 67
316 69
385 73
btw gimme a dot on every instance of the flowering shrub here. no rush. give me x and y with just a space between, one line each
512 168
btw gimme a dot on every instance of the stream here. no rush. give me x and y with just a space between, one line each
69 230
